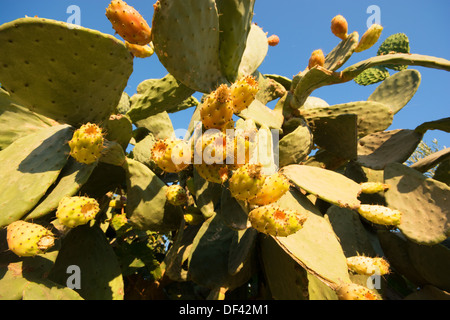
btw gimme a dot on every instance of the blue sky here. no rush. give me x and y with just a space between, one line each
303 26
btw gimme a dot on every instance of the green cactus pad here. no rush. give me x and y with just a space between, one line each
287 279
71 74
235 19
372 75
255 51
342 52
327 185
71 178
157 95
295 146
337 134
31 165
241 249
209 256
422 201
262 115
17 121
432 262
160 125
372 116
397 90
431 161
352 235
186 36
442 172
378 149
315 236
118 128
88 248
396 43
441 124
147 207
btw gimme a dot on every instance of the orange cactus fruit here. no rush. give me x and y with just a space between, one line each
317 59
128 23
243 93
274 187
339 27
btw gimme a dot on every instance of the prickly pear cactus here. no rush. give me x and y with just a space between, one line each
103 199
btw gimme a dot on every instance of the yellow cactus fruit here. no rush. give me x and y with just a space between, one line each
76 211
368 266
369 38
274 187
352 291
380 214
87 142
243 93
140 51
276 221
216 111
27 239
373 187
171 155
246 181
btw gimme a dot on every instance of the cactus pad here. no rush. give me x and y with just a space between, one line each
73 75
186 39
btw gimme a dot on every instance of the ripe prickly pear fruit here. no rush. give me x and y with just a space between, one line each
128 23
317 59
86 145
212 146
273 40
380 214
275 221
140 51
274 187
369 38
368 266
339 27
76 211
217 112
352 291
171 155
243 93
373 187
241 147
176 195
27 239
216 173
246 181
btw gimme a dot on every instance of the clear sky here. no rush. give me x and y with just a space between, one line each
303 26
